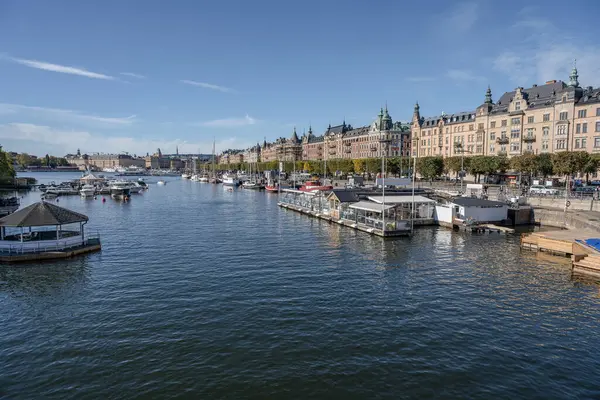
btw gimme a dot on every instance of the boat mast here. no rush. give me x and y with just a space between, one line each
412 209
213 161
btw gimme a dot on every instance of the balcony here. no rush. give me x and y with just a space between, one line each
502 140
529 138
374 148
332 152
348 150
347 144
332 145
527 152
502 153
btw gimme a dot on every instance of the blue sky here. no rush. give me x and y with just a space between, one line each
112 76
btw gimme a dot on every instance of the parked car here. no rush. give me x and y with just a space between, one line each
542 190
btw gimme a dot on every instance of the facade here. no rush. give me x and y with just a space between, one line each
100 161
252 155
548 118
231 157
382 137
283 149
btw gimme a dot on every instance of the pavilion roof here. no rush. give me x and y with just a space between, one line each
42 214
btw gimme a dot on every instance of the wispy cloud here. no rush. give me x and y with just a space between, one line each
463 75
229 122
132 75
461 18
420 79
546 52
42 139
63 69
62 114
208 86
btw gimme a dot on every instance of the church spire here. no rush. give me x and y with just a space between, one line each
488 96
573 78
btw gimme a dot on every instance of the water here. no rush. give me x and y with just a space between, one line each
203 293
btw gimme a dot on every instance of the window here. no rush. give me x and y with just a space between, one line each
493 123
578 128
545 145
545 131
581 113
561 130
447 130
514 147
515 121
583 143
598 112
470 127
577 143
515 133
517 105
597 126
503 123
530 132
561 144
530 147
491 148
479 148
530 120
584 127
563 116
546 117
480 137
480 126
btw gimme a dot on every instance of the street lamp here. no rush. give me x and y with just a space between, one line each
383 141
459 145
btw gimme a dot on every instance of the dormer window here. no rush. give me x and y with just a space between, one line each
517 105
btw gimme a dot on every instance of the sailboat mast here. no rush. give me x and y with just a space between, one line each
213 160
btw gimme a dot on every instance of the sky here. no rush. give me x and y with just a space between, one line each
133 76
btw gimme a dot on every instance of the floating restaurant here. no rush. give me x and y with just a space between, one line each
45 231
364 211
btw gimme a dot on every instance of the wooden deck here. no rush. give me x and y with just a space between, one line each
585 260
90 247
484 228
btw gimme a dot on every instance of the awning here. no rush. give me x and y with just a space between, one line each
400 199
370 206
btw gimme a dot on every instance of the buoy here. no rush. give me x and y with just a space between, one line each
57 200
104 200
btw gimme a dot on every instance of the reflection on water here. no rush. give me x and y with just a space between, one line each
206 293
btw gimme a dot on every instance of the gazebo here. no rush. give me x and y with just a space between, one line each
92 179
27 230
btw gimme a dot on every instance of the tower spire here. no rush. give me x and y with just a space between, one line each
488 95
573 78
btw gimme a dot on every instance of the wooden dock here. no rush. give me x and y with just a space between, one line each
484 228
585 260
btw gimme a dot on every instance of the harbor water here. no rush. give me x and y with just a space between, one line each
199 292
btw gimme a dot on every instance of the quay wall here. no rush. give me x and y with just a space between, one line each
570 220
576 204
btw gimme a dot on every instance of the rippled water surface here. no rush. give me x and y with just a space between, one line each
203 293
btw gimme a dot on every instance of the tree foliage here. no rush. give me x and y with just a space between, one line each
430 167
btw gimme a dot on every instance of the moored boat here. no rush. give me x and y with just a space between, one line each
185 176
230 180
120 189
161 183
315 186
87 191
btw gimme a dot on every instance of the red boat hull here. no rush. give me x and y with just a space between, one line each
315 188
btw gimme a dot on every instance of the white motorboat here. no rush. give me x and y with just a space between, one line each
161 183
195 178
185 176
61 190
87 191
252 185
109 170
230 180
203 178
120 189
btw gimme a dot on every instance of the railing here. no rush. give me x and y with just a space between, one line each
347 143
502 140
529 138
42 246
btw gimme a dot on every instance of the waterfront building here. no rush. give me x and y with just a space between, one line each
252 155
470 210
101 161
548 118
231 156
382 138
283 149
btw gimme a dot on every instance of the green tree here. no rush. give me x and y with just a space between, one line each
430 167
307 167
359 165
453 164
24 160
545 164
47 160
7 170
346 166
564 163
373 165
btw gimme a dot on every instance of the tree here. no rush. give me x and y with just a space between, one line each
359 165
430 167
590 167
526 163
373 165
453 164
545 165
24 160
307 167
564 163
7 169
47 160
346 166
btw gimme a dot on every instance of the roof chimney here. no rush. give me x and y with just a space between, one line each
550 82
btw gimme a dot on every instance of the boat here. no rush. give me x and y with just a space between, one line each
120 189
252 185
272 188
161 183
135 187
185 176
109 170
87 190
61 190
315 186
230 180
204 178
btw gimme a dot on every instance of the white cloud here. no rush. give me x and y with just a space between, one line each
229 122
62 114
420 79
63 69
546 53
41 139
208 86
132 75
461 18
463 75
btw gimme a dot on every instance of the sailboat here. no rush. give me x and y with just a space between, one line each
214 178
251 184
